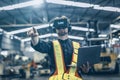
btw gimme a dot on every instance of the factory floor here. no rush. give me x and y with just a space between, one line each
92 77
85 77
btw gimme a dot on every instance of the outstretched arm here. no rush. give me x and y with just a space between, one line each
38 44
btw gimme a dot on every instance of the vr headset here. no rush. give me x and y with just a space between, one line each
61 23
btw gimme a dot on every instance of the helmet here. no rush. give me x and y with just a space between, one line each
61 23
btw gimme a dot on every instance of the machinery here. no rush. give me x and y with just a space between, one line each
108 59
44 66
109 52
108 63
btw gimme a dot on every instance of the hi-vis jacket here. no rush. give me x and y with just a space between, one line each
61 72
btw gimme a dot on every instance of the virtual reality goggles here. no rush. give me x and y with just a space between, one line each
61 23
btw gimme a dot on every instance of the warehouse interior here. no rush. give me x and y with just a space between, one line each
93 22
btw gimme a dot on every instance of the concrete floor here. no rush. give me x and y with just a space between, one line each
92 77
85 77
102 77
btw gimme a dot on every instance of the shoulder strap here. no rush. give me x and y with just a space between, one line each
59 59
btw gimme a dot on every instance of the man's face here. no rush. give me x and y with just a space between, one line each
62 32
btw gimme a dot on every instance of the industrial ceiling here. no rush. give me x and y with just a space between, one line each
80 12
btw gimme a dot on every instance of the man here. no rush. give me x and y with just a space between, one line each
62 52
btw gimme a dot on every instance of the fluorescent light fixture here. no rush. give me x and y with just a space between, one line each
24 58
102 45
111 9
75 37
102 35
21 5
115 39
115 26
114 31
17 57
26 29
16 37
84 5
1 30
106 8
61 2
8 35
96 39
54 35
97 7
41 36
69 3
37 3
46 26
4 53
82 29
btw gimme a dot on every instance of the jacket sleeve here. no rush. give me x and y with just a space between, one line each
42 46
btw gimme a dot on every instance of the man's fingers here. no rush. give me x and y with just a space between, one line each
32 32
88 65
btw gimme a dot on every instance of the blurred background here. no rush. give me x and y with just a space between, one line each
94 22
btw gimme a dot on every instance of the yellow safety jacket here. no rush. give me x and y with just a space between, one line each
61 73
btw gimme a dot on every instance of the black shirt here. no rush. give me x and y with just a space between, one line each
47 47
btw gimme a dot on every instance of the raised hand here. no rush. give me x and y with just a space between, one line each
34 36
32 32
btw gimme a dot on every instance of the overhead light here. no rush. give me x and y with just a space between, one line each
115 26
106 8
38 3
114 31
61 2
82 29
1 30
26 29
54 35
84 5
97 39
21 5
115 39
24 58
46 26
11 37
4 53
69 3
75 37
102 45
17 57
102 35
